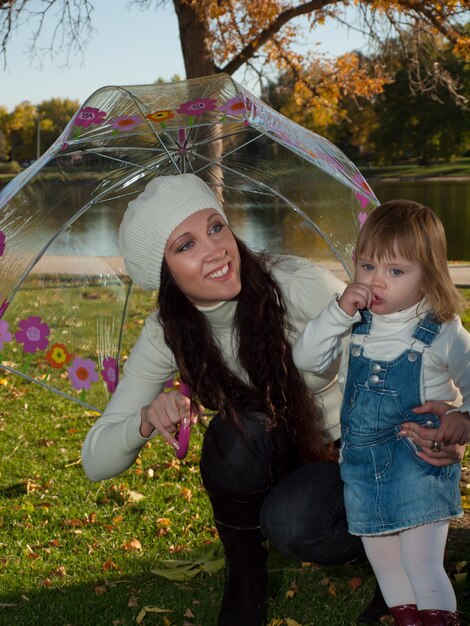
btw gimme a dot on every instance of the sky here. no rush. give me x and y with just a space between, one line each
128 47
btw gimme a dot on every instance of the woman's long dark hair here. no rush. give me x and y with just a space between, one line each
276 388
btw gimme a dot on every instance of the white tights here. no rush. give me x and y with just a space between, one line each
409 567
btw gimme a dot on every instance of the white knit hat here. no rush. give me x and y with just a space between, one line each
151 218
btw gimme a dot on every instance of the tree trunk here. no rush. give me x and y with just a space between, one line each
198 59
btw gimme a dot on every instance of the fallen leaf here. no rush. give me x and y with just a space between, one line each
60 572
332 590
185 570
186 493
292 622
354 583
163 522
108 565
149 609
133 545
135 496
460 578
188 613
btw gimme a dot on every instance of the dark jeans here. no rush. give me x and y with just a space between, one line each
255 478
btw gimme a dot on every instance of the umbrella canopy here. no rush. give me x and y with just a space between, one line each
67 315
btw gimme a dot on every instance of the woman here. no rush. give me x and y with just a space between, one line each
226 322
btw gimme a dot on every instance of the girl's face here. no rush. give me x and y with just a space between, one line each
396 282
203 258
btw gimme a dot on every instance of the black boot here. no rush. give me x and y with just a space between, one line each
246 575
246 578
375 609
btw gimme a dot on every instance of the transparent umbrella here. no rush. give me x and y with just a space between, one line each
69 313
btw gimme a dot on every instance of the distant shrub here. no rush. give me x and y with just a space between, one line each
10 167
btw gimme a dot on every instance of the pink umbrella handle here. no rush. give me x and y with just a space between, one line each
184 432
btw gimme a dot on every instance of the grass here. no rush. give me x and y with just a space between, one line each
458 168
75 553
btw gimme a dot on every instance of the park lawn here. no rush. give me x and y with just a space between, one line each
77 553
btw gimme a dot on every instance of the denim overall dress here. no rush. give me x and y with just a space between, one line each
387 487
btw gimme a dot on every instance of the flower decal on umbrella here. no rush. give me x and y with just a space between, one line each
196 107
363 200
82 373
110 373
57 356
126 122
362 216
33 334
5 335
161 116
233 106
2 242
88 116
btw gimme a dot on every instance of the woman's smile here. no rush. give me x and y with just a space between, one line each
203 258
222 273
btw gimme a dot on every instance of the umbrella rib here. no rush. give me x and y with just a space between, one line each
295 208
70 221
152 129
123 161
57 391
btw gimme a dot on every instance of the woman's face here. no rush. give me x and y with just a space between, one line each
203 258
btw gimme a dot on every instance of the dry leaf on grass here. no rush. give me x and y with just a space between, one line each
149 609
185 570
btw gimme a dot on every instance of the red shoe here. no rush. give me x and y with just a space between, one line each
406 615
431 617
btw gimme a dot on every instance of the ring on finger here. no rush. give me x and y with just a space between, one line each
435 446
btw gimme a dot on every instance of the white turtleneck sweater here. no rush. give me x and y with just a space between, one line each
445 373
113 443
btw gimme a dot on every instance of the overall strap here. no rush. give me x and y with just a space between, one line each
363 327
427 329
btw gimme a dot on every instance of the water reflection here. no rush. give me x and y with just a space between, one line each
276 229
450 199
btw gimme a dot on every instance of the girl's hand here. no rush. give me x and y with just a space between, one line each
444 445
356 296
164 414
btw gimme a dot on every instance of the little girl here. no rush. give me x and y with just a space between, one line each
407 346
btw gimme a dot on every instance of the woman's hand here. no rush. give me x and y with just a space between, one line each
164 414
444 445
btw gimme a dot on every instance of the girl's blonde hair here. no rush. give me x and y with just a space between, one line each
414 232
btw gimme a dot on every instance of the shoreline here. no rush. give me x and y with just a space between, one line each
96 266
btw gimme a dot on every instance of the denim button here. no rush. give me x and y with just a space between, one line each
412 357
374 379
429 424
376 368
355 351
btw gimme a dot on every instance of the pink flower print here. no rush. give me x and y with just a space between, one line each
88 116
233 106
197 107
2 242
360 182
126 122
110 373
82 373
362 216
5 335
33 334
